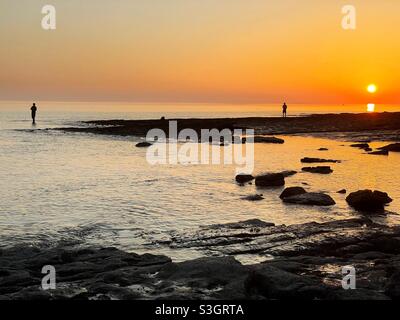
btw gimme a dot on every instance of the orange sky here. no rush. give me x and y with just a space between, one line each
235 51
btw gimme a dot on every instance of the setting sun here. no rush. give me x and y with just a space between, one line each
371 107
372 88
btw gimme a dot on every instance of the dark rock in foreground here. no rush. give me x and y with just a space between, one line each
270 180
318 160
307 265
394 147
319 169
368 200
311 199
244 178
308 258
292 191
343 191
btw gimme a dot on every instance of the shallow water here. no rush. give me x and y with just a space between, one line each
59 186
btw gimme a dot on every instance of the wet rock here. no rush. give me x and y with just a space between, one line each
394 147
292 191
244 178
343 191
274 140
318 160
380 153
255 197
274 283
311 198
252 223
319 169
360 145
143 144
368 200
288 173
270 180
307 265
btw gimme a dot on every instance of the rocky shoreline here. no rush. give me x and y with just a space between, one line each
302 262
376 126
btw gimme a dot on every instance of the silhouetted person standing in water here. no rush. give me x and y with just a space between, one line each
284 110
33 113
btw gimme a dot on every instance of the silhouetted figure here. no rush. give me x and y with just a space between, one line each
33 113
284 110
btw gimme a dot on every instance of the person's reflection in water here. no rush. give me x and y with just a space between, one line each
33 113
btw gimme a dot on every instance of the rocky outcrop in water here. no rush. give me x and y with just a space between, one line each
394 147
244 178
143 144
379 153
319 169
254 197
360 145
311 199
292 191
288 173
318 160
270 180
368 200
274 140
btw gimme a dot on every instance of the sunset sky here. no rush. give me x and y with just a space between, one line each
231 51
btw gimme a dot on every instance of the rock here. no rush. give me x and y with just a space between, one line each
360 145
270 180
311 198
143 144
368 200
288 173
255 197
303 262
244 178
307 259
393 287
323 149
261 139
319 169
394 147
292 191
343 191
380 153
252 223
318 160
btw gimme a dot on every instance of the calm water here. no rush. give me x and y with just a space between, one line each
101 190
